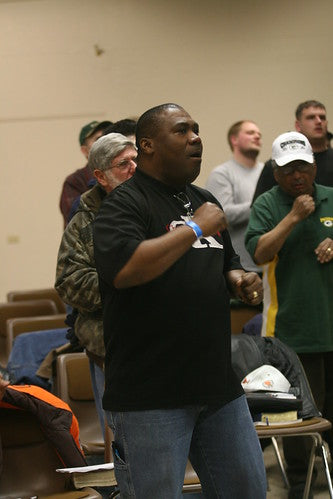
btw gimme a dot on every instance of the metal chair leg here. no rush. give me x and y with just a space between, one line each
280 462
314 448
323 453
115 493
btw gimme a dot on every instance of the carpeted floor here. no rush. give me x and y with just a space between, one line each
276 488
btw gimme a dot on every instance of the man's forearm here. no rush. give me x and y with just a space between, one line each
270 243
154 256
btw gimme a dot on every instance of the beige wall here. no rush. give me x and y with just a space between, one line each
223 60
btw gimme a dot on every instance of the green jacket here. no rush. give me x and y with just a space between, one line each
298 290
76 275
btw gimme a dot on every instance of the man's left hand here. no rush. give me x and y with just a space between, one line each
249 288
324 251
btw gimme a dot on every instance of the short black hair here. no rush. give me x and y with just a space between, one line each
149 122
126 127
305 105
235 129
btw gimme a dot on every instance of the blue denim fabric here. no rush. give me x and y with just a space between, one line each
97 380
151 449
28 352
253 326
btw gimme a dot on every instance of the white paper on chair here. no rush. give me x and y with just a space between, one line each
85 469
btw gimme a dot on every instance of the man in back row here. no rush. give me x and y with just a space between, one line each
127 128
311 121
79 181
166 266
233 183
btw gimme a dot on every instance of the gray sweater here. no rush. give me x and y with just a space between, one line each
233 186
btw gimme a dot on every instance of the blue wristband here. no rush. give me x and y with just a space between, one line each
195 227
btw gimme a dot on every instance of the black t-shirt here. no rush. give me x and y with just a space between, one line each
324 176
167 341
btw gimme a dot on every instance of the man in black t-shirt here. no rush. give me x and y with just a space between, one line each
166 267
311 120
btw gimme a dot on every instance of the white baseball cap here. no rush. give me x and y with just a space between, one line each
266 378
291 146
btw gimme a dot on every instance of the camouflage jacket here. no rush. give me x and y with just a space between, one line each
76 275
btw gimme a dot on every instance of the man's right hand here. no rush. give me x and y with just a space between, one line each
210 219
302 207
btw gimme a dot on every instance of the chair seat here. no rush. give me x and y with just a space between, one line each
308 426
191 477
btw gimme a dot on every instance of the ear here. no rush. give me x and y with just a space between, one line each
147 145
276 175
100 177
233 140
297 127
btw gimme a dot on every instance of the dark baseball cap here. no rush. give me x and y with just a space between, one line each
92 127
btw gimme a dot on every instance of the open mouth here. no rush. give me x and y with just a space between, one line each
196 154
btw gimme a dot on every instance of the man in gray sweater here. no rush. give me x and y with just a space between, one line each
233 183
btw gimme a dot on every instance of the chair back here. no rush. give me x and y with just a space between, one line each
38 294
250 352
20 325
28 308
74 387
29 462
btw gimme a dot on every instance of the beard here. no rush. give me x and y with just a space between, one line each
319 143
250 153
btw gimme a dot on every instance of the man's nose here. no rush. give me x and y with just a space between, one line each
296 173
194 137
132 166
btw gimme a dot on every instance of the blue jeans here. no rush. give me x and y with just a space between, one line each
151 449
97 380
28 352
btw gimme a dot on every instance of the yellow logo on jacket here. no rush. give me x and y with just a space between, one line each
327 221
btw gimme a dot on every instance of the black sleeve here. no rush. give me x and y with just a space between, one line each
266 180
119 228
232 260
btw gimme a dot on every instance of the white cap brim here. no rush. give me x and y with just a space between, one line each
294 157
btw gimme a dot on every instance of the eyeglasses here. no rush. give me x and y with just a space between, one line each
301 167
183 198
123 165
